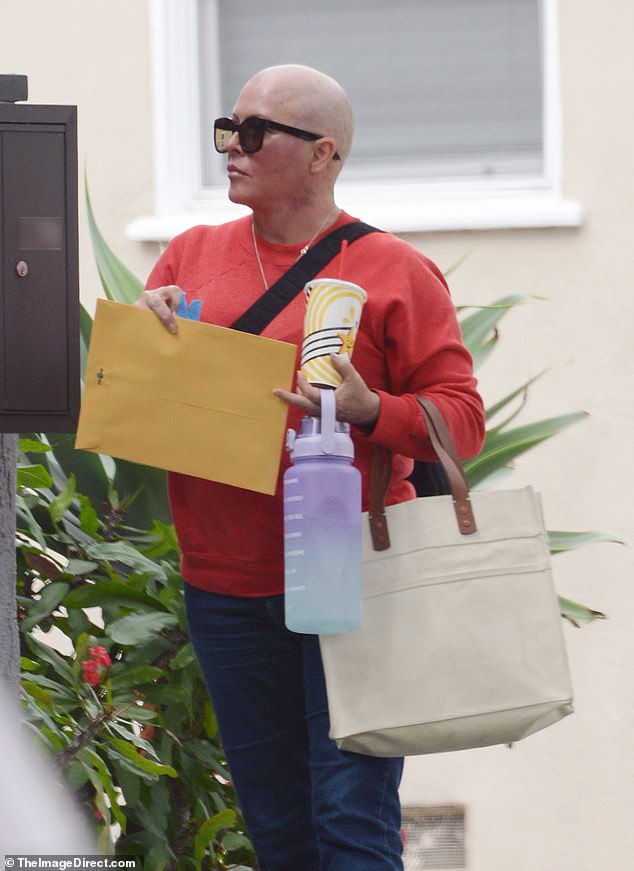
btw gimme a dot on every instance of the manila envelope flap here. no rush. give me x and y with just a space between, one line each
198 402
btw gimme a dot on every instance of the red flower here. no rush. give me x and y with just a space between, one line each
101 656
95 669
90 665
90 668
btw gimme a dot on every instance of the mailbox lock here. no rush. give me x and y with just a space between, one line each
22 268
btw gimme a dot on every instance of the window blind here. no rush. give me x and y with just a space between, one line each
440 88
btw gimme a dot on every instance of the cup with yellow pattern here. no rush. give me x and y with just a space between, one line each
331 323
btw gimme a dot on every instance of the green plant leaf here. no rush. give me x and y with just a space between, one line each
86 466
88 518
150 485
46 654
77 775
32 446
502 447
129 782
521 391
458 262
128 735
159 857
94 595
50 598
41 696
157 769
119 284
85 330
210 829
34 477
578 614
479 329
167 694
138 627
210 721
183 658
138 713
101 779
28 664
560 542
77 567
24 517
234 841
60 504
123 552
123 679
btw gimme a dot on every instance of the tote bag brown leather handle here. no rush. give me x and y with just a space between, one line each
445 449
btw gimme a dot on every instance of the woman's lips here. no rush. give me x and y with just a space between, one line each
234 172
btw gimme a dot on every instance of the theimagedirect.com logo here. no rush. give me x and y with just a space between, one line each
65 863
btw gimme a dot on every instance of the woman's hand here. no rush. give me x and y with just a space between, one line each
164 303
356 403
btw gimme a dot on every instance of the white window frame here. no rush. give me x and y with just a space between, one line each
398 205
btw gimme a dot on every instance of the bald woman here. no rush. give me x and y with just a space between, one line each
307 805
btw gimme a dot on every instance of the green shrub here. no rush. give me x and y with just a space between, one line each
110 683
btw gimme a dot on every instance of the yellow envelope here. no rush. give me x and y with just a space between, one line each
198 402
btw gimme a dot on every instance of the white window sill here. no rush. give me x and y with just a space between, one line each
407 208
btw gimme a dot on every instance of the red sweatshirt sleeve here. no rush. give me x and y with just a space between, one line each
415 323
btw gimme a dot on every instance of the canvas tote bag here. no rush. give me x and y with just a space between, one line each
461 643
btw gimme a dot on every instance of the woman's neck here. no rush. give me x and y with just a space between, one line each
293 226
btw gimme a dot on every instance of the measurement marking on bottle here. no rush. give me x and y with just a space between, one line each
295 553
293 535
294 498
293 517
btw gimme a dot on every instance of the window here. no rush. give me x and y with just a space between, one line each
456 105
441 88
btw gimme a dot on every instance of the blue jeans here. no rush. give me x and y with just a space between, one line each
308 806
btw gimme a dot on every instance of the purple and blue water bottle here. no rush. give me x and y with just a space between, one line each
322 526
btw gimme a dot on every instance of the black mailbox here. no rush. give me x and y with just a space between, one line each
39 286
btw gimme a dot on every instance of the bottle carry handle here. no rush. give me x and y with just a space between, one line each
328 414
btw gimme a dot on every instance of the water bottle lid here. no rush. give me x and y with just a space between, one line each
322 436
308 441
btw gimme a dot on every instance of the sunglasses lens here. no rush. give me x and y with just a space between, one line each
252 134
223 131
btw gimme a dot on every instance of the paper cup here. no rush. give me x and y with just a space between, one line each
331 323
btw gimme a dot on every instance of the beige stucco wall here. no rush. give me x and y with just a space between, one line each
94 54
560 800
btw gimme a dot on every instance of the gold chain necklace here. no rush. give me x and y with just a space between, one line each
329 218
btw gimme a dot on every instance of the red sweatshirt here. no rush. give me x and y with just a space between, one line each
409 342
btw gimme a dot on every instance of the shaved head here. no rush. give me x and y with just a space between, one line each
304 97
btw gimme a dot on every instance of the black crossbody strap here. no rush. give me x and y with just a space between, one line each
286 288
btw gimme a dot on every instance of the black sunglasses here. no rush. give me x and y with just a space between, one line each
251 133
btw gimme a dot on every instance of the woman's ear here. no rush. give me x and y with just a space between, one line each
324 151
